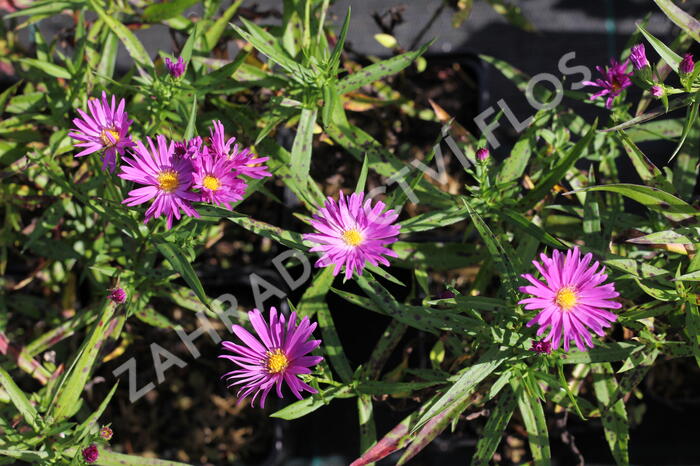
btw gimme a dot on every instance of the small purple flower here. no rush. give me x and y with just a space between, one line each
572 299
189 149
351 232
166 179
656 91
615 80
446 294
245 162
91 453
279 354
639 57
541 346
106 433
117 295
687 64
215 177
482 154
105 128
176 69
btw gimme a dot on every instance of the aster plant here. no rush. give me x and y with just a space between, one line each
278 355
548 278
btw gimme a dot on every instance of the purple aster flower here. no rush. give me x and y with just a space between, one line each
541 346
572 299
687 64
167 179
188 149
639 57
215 177
281 357
351 232
91 454
106 433
482 154
656 91
117 295
246 163
176 69
615 80
105 128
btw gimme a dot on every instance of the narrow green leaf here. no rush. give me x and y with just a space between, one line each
555 175
181 265
368 430
362 180
535 424
682 19
20 400
214 33
689 124
613 413
379 70
308 405
653 198
668 55
66 401
157 12
191 128
49 68
132 44
302 146
519 221
467 381
495 427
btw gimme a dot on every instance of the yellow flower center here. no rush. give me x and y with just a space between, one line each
276 361
105 139
211 183
352 238
168 181
566 298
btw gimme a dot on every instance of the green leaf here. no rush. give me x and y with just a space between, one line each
108 58
514 166
268 45
519 221
682 19
689 124
495 427
191 128
646 169
92 419
467 381
66 401
308 405
500 258
334 60
669 56
674 105
285 237
157 12
435 219
653 198
181 264
535 424
302 147
362 180
379 70
48 68
368 430
611 352
214 33
555 175
110 458
613 413
132 44
20 401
